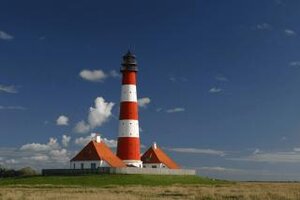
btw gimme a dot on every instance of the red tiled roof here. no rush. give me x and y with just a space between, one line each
98 151
156 155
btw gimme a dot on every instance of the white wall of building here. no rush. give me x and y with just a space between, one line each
154 165
88 164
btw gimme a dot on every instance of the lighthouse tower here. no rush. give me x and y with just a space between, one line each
128 148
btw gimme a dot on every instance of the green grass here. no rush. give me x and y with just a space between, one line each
106 180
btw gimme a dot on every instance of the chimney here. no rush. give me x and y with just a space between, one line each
154 145
98 138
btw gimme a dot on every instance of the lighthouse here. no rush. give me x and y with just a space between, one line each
128 148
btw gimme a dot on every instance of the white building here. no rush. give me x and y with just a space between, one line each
154 157
94 155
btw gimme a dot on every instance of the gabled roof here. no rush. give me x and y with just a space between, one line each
155 155
98 151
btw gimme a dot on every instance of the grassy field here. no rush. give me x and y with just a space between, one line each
105 180
119 187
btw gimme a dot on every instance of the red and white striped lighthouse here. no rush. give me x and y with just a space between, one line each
128 148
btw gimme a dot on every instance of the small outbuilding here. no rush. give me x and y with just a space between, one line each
94 155
154 157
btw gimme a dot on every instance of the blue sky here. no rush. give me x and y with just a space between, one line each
219 81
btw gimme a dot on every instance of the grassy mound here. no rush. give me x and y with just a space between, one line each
105 180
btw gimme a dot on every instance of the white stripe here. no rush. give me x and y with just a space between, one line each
128 128
129 93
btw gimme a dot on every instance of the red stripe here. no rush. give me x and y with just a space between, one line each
128 148
129 110
129 77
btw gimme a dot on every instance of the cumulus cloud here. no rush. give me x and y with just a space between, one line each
82 127
100 113
143 102
93 75
98 75
65 140
52 144
290 32
11 161
174 110
39 158
81 141
8 89
62 120
197 151
52 154
59 155
96 117
215 90
5 36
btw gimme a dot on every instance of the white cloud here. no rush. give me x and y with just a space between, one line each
93 75
62 120
39 158
110 143
222 78
37 147
59 155
12 108
82 141
256 151
263 26
65 140
82 127
100 113
297 149
197 151
220 169
5 36
143 102
290 32
215 90
51 154
174 110
295 64
11 161
8 89
96 117
114 74
272 157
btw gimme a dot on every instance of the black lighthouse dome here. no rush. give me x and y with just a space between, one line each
129 62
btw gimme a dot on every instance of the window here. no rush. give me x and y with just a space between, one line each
93 165
154 166
81 165
74 166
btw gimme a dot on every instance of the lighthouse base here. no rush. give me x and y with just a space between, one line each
133 163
